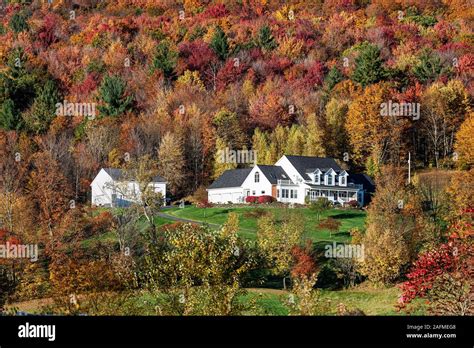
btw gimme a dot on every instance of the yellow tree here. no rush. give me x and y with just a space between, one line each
261 147
336 136
172 161
371 134
464 145
221 162
395 228
276 241
314 138
295 144
444 109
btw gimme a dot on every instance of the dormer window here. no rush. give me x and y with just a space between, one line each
317 178
257 177
343 178
329 179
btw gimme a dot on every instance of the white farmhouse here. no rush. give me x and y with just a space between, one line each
293 179
111 189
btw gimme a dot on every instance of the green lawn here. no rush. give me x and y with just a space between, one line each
372 301
268 302
110 237
248 224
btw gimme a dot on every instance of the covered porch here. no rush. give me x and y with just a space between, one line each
341 195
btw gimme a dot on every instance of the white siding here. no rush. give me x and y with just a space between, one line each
249 184
101 193
296 178
104 189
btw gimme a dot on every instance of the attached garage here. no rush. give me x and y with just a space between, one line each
228 187
233 194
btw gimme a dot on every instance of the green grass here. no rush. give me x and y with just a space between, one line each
372 301
110 238
248 225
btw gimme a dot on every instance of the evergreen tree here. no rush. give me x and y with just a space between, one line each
165 58
112 94
18 22
429 67
9 116
219 44
43 110
333 78
17 81
369 66
265 38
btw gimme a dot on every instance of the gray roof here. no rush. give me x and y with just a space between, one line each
303 163
273 173
117 174
231 178
363 179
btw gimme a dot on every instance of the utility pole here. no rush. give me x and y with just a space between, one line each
409 168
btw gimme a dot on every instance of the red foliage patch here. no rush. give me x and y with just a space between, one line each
265 199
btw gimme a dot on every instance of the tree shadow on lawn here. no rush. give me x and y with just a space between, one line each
339 216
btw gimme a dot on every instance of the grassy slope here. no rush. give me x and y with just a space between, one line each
371 301
248 225
270 301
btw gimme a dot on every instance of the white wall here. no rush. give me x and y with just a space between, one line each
101 194
296 178
103 187
256 188
289 169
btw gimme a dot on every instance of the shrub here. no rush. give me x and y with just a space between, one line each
204 204
251 199
353 204
265 199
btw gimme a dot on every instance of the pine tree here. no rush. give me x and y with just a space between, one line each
9 116
219 44
165 58
333 78
369 66
265 38
18 22
112 94
43 110
429 67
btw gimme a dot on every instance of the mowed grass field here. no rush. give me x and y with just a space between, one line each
372 301
248 224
